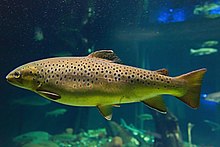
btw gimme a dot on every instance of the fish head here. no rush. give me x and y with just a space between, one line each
25 76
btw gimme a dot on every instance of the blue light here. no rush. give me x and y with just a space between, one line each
215 11
204 95
179 16
163 17
171 15
210 103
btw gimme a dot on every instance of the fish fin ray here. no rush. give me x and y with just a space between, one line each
163 71
49 95
156 103
105 54
106 111
194 81
116 105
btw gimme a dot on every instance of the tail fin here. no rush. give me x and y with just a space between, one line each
194 82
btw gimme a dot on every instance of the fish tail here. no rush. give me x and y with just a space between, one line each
194 81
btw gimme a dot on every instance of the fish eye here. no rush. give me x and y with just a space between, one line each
17 74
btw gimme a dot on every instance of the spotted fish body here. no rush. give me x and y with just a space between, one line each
96 80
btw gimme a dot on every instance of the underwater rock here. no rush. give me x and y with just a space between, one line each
117 130
63 138
69 131
90 138
31 137
116 142
42 144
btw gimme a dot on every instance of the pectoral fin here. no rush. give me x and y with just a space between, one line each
49 95
116 105
156 103
106 111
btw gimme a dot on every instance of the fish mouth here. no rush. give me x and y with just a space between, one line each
9 78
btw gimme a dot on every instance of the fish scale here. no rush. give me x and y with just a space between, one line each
85 73
99 79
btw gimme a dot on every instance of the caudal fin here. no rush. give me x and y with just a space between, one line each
194 82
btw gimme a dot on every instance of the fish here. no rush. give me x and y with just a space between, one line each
145 116
101 80
214 126
116 129
135 131
213 97
208 10
31 100
56 112
210 43
203 51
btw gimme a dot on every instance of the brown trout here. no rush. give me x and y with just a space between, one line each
100 80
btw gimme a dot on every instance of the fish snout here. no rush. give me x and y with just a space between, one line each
13 77
9 77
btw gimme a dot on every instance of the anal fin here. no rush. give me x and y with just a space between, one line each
156 103
106 111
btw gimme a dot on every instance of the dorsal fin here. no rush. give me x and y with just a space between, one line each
163 71
105 54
